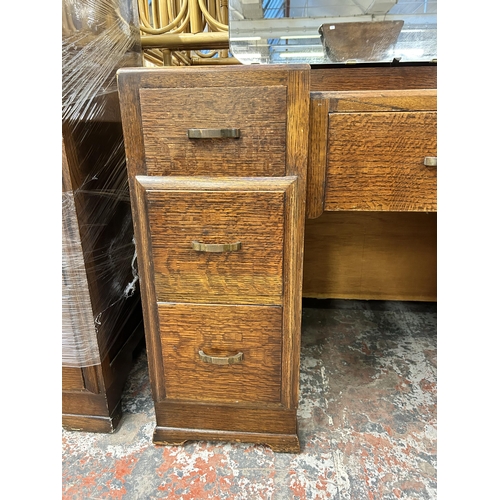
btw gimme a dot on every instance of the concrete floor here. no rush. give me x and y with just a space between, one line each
367 423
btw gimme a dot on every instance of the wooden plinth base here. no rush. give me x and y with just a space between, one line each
93 423
279 443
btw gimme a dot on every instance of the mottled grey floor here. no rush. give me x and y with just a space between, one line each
367 423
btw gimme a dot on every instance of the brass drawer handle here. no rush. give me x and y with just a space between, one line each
213 133
221 360
216 247
431 161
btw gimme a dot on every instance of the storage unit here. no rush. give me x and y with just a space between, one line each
372 183
102 326
102 321
217 163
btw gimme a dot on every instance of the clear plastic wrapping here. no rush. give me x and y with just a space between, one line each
79 342
100 295
98 37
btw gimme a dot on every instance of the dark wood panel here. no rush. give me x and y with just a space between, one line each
116 370
85 403
373 78
87 423
95 406
95 179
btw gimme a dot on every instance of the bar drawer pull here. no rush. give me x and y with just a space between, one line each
431 161
216 247
213 133
221 360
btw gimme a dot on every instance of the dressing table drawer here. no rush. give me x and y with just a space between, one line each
222 353
215 131
218 240
382 151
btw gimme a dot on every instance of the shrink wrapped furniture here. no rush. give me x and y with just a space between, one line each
101 313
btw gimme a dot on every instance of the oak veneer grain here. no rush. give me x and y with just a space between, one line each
366 151
237 418
216 184
297 143
376 145
370 254
72 378
133 81
198 77
383 101
257 212
317 161
256 220
342 78
376 162
258 112
170 206
279 443
222 330
148 290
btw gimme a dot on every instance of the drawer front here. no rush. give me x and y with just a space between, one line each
221 353
218 246
375 161
258 114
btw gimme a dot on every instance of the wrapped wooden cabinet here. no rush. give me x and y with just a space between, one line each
217 162
101 310
101 315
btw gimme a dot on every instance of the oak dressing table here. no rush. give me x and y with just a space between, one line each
225 165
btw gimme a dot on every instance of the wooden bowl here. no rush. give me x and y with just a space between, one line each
360 41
